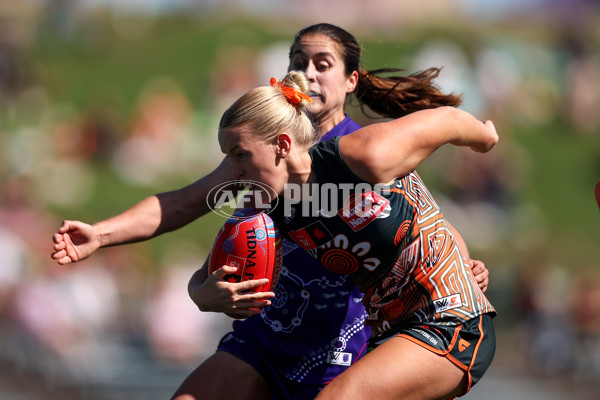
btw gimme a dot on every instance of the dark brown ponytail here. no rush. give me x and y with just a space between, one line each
390 96
397 95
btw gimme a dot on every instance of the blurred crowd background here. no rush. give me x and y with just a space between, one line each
103 103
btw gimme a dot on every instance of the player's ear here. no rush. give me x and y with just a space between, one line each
284 144
351 82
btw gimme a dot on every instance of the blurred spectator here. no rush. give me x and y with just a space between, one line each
14 268
73 147
585 308
233 73
68 312
17 27
544 319
457 75
60 14
22 214
272 61
582 84
177 331
64 309
155 142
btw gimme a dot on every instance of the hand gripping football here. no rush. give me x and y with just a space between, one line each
250 241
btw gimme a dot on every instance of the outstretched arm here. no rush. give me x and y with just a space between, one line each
381 152
153 216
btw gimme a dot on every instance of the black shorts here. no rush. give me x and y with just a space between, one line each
470 346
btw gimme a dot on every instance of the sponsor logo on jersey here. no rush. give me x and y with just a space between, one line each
339 358
362 208
447 303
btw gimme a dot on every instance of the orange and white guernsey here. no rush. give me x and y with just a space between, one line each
392 239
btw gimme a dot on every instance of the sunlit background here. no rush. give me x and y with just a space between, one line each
104 102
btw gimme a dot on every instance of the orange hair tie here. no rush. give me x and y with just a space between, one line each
292 95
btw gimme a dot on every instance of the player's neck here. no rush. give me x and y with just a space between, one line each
329 121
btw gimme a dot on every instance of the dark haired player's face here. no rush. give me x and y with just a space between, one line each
319 57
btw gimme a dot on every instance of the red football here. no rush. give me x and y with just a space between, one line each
250 241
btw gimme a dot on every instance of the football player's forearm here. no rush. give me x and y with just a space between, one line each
138 223
163 212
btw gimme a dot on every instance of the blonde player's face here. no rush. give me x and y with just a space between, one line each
320 59
251 159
